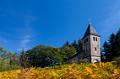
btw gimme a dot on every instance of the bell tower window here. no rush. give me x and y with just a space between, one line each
96 38
93 38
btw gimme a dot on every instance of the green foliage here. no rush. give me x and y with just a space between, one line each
23 59
68 51
112 46
43 56
8 60
117 60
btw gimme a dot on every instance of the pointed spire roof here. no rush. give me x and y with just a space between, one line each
90 31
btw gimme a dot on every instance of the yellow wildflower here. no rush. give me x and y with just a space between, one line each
94 65
94 76
116 71
88 69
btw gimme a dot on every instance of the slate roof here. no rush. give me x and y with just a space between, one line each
90 31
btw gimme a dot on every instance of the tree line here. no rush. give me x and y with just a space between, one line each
45 56
42 56
8 60
111 47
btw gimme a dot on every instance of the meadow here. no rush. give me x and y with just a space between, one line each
66 71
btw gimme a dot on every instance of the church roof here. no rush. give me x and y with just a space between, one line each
90 31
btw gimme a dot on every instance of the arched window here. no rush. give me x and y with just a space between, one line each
93 38
96 61
96 38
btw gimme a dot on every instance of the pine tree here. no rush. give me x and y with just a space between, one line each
112 47
107 51
74 44
66 44
117 44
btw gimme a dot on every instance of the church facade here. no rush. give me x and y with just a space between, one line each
90 47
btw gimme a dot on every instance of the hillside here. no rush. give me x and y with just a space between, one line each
68 71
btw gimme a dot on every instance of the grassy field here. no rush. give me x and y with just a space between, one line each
68 71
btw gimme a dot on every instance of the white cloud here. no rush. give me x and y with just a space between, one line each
23 32
25 41
27 31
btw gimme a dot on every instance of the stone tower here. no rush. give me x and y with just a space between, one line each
91 45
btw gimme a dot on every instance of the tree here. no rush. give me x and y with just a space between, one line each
8 60
67 52
74 44
107 51
42 56
6 55
112 47
66 44
117 44
23 59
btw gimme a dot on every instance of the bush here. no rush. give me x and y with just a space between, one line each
117 60
67 71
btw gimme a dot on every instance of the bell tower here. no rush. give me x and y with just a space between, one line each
91 45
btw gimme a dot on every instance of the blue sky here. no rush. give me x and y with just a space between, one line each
27 23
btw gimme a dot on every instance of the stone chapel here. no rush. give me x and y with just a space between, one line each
90 47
